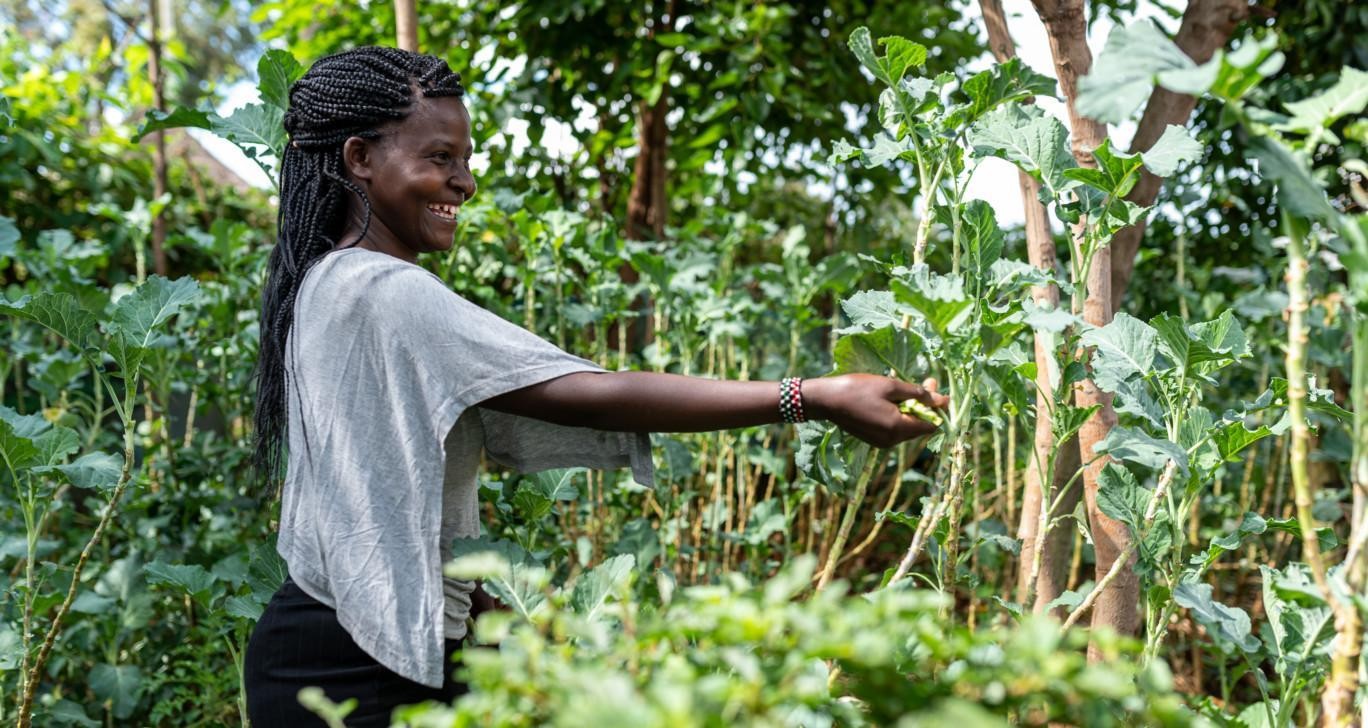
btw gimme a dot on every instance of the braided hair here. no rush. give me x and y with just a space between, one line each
348 94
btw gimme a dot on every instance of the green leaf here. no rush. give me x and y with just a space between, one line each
1001 84
1203 347
869 310
843 151
17 434
1325 535
1251 525
1318 399
67 712
59 312
1173 149
1123 349
983 240
1053 320
875 352
277 71
1124 443
192 578
1245 67
1120 496
180 118
594 587
538 493
1067 420
901 55
120 686
1123 75
1221 340
862 45
1228 625
1115 174
243 607
254 125
1348 96
1298 191
1029 138
97 470
1069 600
885 150
1232 437
939 299
137 315
55 444
1299 630
1133 398
828 456
9 238
266 571
517 581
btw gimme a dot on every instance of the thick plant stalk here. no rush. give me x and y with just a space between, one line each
1337 698
1297 305
852 511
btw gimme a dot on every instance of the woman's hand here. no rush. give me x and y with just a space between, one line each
866 406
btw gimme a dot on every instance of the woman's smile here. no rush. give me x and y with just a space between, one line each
445 211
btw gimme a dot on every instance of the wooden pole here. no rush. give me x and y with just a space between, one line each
406 21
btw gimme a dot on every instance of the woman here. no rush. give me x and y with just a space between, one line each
391 385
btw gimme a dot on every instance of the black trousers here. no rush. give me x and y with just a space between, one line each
299 643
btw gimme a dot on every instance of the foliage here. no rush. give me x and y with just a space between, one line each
740 653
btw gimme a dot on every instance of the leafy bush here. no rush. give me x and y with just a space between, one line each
737 653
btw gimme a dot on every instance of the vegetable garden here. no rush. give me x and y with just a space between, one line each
1146 504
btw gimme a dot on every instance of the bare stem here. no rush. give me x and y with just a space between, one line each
35 671
852 510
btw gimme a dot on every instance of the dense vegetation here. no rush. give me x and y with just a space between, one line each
1148 501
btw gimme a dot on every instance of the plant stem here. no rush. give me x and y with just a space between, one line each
1123 559
848 522
35 672
1297 305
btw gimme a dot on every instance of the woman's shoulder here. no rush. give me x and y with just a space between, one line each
368 273
377 286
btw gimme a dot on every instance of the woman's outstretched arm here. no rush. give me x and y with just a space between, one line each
865 405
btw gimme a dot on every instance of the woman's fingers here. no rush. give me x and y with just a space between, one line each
925 393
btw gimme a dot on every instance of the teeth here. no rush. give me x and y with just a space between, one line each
442 210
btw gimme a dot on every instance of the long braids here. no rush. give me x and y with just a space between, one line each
348 94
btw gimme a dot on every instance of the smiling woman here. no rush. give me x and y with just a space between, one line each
424 161
387 386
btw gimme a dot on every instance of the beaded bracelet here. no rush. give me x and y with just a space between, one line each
791 400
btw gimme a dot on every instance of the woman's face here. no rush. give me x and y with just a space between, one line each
416 175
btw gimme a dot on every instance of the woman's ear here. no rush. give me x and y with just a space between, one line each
357 157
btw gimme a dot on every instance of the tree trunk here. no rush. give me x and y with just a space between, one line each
1116 608
406 23
154 72
1040 250
646 204
1207 25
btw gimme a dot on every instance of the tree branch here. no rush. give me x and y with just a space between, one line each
1207 25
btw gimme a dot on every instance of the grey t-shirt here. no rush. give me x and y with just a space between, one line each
381 363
